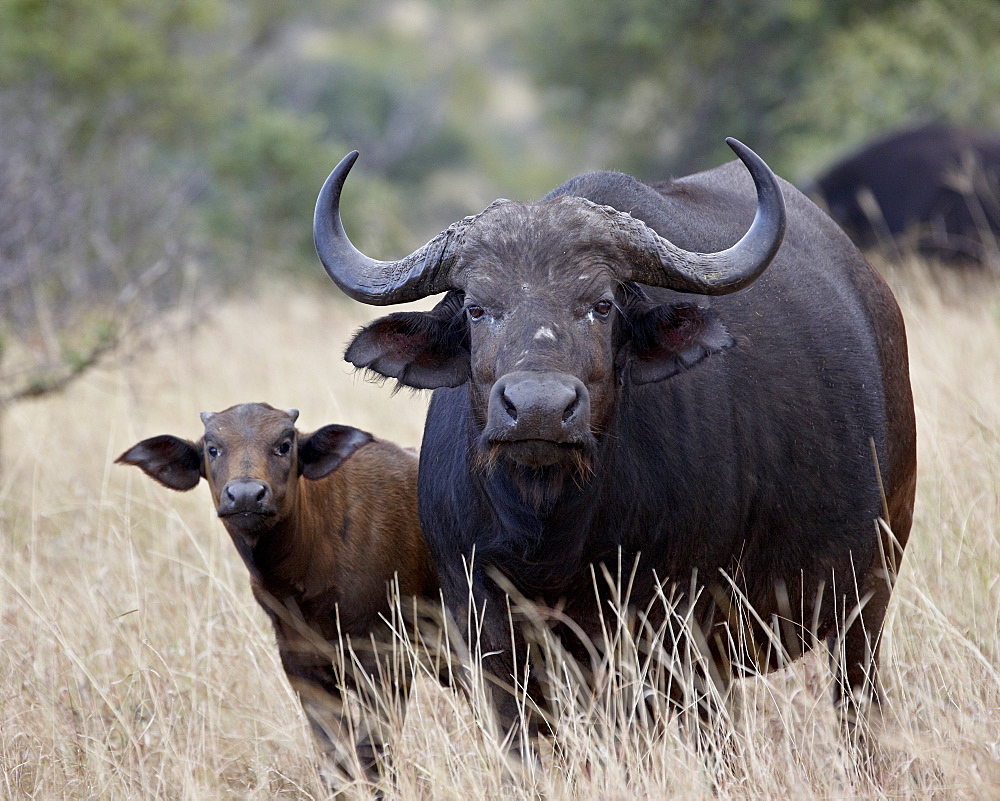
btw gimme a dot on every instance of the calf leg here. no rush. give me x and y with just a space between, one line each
328 712
329 677
352 721
353 741
379 676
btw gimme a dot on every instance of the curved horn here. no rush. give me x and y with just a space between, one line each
664 264
379 283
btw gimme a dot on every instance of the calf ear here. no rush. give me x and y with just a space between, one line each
423 350
323 451
668 339
174 462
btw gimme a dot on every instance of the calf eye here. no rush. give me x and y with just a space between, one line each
475 312
283 449
212 451
603 308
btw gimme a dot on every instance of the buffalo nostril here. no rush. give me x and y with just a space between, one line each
509 406
571 407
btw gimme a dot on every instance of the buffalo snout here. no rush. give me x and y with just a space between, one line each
547 408
246 497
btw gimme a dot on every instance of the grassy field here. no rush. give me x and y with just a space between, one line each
134 662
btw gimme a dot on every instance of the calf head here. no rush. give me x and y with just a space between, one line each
252 457
544 315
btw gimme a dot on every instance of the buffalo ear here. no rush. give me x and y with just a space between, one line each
668 339
423 350
174 462
326 449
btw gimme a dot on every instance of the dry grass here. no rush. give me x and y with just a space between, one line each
135 664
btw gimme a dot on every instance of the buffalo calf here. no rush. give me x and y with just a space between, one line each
324 522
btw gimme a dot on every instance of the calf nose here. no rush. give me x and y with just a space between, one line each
546 406
243 495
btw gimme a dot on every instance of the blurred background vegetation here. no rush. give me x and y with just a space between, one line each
152 153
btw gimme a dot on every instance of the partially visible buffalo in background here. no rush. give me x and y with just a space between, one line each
324 522
935 188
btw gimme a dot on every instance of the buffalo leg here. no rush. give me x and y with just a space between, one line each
498 653
854 654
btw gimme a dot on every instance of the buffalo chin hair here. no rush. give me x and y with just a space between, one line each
539 487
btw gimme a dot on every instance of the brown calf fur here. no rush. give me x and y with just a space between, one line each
324 522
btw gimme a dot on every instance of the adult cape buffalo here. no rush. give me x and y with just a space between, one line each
618 384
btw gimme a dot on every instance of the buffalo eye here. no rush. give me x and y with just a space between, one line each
475 312
603 308
213 452
284 448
